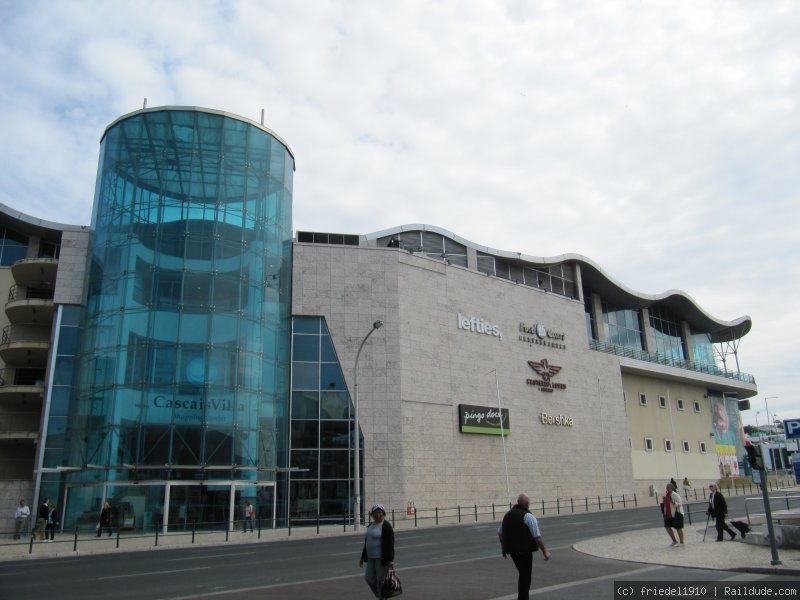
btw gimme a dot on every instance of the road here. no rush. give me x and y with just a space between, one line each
445 562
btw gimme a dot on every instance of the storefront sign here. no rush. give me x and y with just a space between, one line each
541 335
561 420
478 326
546 371
483 419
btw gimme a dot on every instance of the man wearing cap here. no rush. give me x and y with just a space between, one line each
520 537
378 550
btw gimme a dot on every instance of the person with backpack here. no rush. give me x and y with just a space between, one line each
520 537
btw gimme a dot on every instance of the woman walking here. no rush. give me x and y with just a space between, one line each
378 552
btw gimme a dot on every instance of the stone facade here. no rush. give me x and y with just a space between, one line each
416 371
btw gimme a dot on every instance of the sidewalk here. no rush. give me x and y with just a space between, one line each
652 546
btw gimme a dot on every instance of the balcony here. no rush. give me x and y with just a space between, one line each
35 271
25 345
660 359
28 304
20 426
21 386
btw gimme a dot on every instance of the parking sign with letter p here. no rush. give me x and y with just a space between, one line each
792 428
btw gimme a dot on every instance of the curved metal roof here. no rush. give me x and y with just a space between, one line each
35 225
598 280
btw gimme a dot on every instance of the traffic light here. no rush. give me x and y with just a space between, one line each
754 458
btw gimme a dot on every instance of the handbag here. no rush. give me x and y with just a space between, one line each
391 585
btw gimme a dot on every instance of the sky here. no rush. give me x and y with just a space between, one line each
659 139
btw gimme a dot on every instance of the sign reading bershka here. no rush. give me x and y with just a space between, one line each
483 419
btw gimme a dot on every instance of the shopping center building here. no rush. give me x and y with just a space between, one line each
185 353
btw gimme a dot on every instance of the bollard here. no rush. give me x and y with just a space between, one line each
194 522
415 517
258 522
558 506
493 517
317 523
571 504
623 501
587 503
542 506
227 531
612 501
156 535
30 543
344 523
75 542
392 518
634 499
476 513
118 537
289 526
599 506
459 514
437 515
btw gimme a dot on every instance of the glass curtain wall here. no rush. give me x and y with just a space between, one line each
622 326
666 331
184 374
321 426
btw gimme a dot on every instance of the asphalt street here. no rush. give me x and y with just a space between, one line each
446 562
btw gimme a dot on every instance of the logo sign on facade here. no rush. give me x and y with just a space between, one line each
541 335
478 326
546 372
559 420
483 419
792 428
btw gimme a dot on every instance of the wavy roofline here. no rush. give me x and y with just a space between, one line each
598 278
30 223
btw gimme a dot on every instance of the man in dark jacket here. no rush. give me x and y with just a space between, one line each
41 520
520 537
718 509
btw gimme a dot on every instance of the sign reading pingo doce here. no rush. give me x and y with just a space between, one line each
483 419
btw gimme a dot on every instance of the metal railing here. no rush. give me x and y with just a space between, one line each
23 292
25 333
775 504
661 359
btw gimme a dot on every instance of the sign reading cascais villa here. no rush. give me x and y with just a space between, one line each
546 371
483 419
541 335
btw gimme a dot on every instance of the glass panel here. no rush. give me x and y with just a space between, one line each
335 405
303 501
306 348
305 405
307 461
335 434
334 464
305 434
331 377
305 376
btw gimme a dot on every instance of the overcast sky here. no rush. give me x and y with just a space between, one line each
659 139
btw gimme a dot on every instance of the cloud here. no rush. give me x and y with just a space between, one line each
658 139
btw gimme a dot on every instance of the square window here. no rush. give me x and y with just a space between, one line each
702 447
696 406
680 404
642 400
662 402
648 444
685 446
667 445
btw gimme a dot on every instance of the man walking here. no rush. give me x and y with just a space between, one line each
718 509
520 537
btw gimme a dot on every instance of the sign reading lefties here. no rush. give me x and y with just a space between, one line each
478 326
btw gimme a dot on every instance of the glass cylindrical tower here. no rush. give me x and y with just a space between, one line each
182 405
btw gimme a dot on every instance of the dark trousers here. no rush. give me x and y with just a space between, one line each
719 523
524 564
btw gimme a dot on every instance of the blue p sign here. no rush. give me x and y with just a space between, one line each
792 428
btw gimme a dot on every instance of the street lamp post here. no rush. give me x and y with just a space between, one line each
357 461
769 430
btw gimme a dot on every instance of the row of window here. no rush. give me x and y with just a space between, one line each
662 403
648 446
